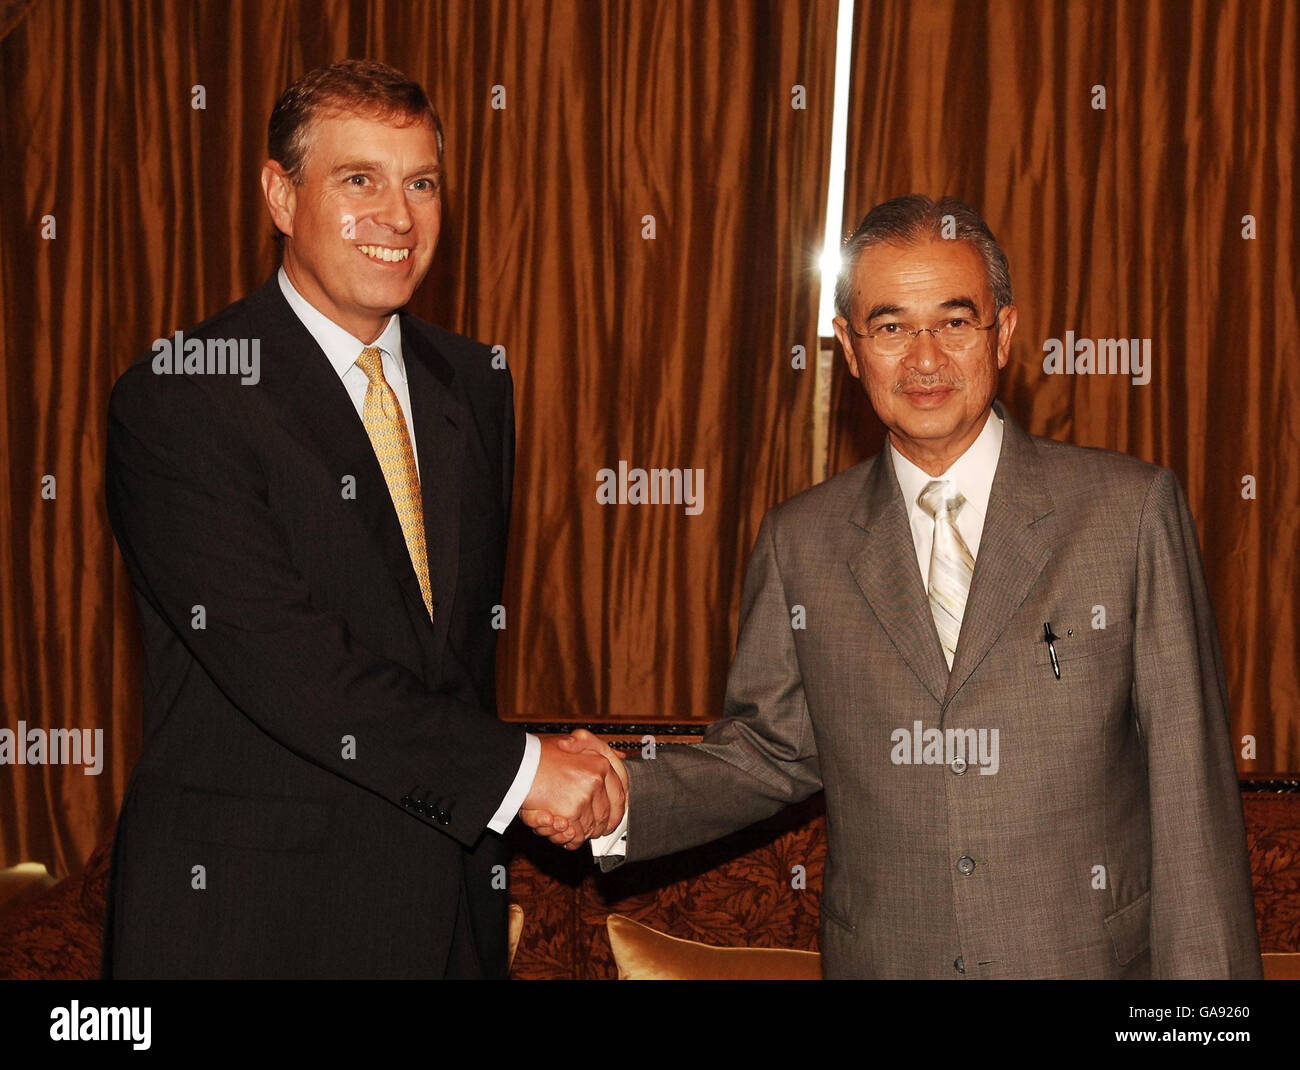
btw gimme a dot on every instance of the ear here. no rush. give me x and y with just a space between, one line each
281 195
1005 331
845 339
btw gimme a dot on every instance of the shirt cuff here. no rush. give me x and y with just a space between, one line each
522 785
616 842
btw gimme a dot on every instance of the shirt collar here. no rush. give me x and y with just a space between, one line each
972 473
340 347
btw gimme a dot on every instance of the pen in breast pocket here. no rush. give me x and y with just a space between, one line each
1050 638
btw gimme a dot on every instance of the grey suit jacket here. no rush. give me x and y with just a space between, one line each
1108 843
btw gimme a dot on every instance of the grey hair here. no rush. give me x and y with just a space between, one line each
913 219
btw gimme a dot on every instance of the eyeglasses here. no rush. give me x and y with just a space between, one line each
954 335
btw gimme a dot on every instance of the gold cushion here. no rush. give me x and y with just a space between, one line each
643 954
23 882
1281 966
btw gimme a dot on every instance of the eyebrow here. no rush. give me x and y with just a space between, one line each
962 301
356 165
351 167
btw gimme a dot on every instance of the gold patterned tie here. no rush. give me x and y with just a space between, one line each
382 416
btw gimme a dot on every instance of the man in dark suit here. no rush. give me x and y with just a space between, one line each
1003 670
317 549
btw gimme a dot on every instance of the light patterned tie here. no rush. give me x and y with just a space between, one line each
951 563
382 416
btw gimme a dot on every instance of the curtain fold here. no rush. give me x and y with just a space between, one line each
1130 221
637 223
632 211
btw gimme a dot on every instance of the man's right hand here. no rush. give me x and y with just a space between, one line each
577 789
552 824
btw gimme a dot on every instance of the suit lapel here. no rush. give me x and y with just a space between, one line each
885 570
1015 545
313 405
440 422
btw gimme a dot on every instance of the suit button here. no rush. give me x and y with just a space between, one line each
965 865
958 765
406 801
444 818
959 965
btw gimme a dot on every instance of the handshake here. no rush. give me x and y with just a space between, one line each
580 790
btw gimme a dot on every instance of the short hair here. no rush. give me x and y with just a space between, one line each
356 86
912 219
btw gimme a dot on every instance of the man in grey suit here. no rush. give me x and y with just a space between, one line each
996 655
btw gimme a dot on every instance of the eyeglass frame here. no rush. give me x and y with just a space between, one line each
912 341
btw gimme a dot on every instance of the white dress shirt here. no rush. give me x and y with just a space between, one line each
972 473
342 350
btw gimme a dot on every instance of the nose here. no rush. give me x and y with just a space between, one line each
925 352
394 211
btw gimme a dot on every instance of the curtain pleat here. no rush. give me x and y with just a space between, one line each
635 197
1133 221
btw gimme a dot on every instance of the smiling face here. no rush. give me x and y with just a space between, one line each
361 228
934 403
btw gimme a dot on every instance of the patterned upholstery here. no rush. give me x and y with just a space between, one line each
743 891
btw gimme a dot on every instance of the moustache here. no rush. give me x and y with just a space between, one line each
927 382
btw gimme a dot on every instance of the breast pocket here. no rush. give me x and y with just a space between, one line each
1081 643
1091 678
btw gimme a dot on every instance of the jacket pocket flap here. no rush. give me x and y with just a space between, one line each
835 916
268 823
1130 928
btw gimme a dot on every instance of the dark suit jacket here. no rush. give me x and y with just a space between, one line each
323 750
1110 841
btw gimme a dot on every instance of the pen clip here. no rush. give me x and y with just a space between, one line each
1050 638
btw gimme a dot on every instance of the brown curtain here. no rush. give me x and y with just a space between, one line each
1126 222
130 212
